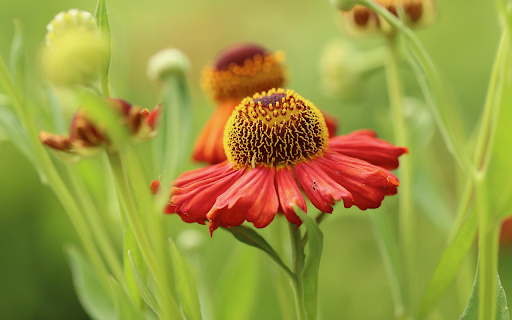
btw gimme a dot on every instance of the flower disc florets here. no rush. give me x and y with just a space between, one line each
241 70
275 128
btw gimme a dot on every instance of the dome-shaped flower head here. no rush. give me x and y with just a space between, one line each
416 13
277 144
87 139
74 51
239 71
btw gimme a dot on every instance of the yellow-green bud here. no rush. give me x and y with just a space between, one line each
74 50
167 62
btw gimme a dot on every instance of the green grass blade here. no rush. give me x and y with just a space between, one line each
185 285
312 265
17 57
144 291
449 265
103 23
90 291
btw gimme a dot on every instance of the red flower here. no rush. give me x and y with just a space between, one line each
238 72
277 144
88 139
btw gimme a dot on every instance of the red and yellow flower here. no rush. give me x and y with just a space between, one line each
238 72
88 139
276 145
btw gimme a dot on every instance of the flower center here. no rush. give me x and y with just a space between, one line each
275 128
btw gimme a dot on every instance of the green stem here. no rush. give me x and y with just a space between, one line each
406 214
298 266
166 301
440 107
55 181
319 218
488 255
98 229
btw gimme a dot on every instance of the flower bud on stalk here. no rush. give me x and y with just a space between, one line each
167 62
74 51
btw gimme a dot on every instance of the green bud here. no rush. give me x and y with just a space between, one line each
167 62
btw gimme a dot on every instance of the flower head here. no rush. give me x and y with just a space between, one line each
239 71
87 139
276 144
416 13
166 62
74 51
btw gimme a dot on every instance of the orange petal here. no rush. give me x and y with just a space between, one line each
289 193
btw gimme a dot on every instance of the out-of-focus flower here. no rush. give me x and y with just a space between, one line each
239 71
74 51
166 62
277 142
87 139
343 66
416 13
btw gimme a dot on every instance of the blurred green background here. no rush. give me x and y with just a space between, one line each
35 281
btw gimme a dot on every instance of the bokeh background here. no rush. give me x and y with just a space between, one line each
35 281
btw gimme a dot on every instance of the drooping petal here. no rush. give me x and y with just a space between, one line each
367 183
253 198
364 145
320 188
202 173
209 146
193 200
288 193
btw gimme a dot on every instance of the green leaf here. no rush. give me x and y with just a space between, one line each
471 311
124 306
250 237
144 291
238 286
103 23
312 265
130 245
90 292
449 265
185 285
17 57
12 128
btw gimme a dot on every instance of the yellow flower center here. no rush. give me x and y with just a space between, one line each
275 128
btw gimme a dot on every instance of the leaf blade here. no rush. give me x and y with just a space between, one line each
144 291
125 307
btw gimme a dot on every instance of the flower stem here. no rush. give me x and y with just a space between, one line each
298 265
166 301
405 203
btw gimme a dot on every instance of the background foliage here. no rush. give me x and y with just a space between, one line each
35 277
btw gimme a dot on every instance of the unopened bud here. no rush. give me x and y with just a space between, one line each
167 62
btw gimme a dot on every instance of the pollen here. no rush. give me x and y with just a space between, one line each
291 133
241 70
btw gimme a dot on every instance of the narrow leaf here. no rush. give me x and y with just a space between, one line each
124 306
130 245
90 292
103 24
250 237
144 291
17 57
312 265
185 285
449 265
471 311
238 286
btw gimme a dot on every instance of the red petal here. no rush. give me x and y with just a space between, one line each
320 188
193 201
203 173
364 145
331 122
153 116
367 183
154 187
209 145
253 198
289 193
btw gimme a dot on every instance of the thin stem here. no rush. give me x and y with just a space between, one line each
167 303
440 108
319 218
98 229
298 265
405 204
55 181
488 255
